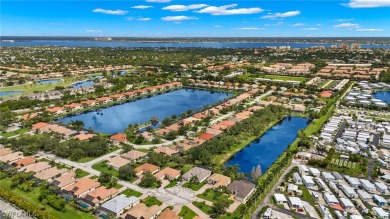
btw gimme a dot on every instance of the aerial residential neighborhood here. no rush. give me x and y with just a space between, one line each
168 109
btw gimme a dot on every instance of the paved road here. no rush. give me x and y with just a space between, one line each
326 84
291 213
266 200
12 211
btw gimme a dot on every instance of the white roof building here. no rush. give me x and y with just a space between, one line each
367 185
346 203
380 213
308 181
352 181
355 216
303 169
327 176
381 187
280 198
348 191
314 171
364 196
330 199
297 179
295 202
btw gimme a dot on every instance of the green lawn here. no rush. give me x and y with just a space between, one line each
203 207
86 159
194 187
17 132
210 195
172 183
142 150
130 192
151 200
187 213
112 149
81 173
306 195
102 167
32 197
186 168
286 78
30 88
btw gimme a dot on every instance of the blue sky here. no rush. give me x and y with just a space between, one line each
181 18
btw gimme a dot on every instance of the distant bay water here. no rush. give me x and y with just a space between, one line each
132 44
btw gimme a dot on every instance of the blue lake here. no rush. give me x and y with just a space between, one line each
83 84
53 81
116 118
5 93
267 148
383 95
135 44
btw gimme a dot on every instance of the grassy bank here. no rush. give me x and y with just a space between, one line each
222 158
286 78
32 198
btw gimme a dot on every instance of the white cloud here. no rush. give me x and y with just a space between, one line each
297 25
344 20
159 1
93 31
369 30
217 26
368 3
310 28
142 7
184 7
274 25
346 25
144 19
249 28
226 10
113 12
281 15
178 18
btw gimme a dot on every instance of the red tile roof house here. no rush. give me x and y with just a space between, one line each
90 103
166 150
214 132
39 125
119 137
99 195
167 173
56 110
83 137
24 162
117 162
326 94
104 100
134 155
64 180
11 157
146 167
50 174
36 167
74 106
81 187
206 136
129 94
118 96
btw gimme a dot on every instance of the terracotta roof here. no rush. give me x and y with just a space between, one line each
219 127
162 131
4 151
64 180
36 167
166 150
117 161
50 173
218 180
142 211
147 167
100 193
169 172
206 136
40 125
168 214
24 162
326 94
119 137
81 186
133 155
82 136
11 157
213 131
55 109
227 123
